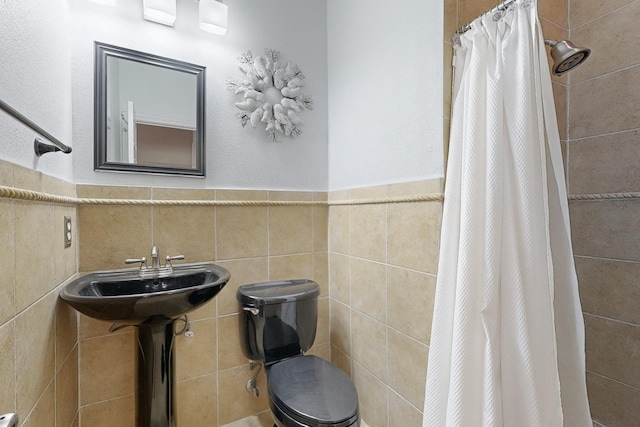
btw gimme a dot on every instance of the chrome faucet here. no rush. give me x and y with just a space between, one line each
155 263
155 269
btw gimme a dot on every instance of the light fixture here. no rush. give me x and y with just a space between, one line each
212 13
160 11
213 17
106 2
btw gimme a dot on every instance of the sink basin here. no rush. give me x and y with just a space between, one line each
123 296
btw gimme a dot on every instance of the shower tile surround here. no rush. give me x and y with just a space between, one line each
604 157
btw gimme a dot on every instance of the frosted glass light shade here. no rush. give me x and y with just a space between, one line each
213 17
106 2
160 11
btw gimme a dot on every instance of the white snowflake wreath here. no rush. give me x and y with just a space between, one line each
272 94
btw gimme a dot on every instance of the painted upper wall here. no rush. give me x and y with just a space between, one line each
385 91
35 79
381 66
236 157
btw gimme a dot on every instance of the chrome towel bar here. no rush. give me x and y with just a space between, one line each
39 146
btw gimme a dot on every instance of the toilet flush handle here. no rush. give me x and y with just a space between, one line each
252 310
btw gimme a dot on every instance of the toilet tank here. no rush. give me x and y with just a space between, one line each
277 319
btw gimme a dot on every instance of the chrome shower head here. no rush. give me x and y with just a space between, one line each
566 56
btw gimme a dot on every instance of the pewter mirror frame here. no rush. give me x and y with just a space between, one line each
102 53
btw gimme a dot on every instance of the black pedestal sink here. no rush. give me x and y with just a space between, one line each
152 303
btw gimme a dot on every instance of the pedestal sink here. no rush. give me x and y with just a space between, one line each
151 302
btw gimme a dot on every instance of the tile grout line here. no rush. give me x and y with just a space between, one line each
613 380
603 135
622 322
605 14
607 259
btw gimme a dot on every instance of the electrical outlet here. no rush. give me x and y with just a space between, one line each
67 231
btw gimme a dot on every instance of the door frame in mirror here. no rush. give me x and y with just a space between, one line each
102 53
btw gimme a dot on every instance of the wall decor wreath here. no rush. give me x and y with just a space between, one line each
272 94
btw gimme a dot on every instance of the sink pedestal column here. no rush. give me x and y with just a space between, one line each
155 386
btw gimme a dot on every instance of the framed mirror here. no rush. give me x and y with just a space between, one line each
149 113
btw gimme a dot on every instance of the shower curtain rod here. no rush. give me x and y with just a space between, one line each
499 8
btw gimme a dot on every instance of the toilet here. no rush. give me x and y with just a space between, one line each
277 325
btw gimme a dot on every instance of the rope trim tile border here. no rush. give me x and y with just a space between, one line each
20 194
436 197
604 196
138 202
35 196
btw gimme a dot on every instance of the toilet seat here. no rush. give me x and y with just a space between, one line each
309 391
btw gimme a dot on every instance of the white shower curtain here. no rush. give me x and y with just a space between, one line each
507 341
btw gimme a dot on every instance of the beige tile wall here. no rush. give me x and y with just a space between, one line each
38 333
382 265
604 157
255 243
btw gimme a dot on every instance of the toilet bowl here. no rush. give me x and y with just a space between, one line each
277 325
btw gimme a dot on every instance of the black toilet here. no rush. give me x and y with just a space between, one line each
278 324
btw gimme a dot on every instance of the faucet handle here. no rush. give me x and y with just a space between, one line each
168 259
142 261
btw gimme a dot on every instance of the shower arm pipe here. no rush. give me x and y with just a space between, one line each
499 8
40 147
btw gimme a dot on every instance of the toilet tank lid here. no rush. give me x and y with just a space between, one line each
277 292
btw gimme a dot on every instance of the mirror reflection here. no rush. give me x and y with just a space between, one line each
149 113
